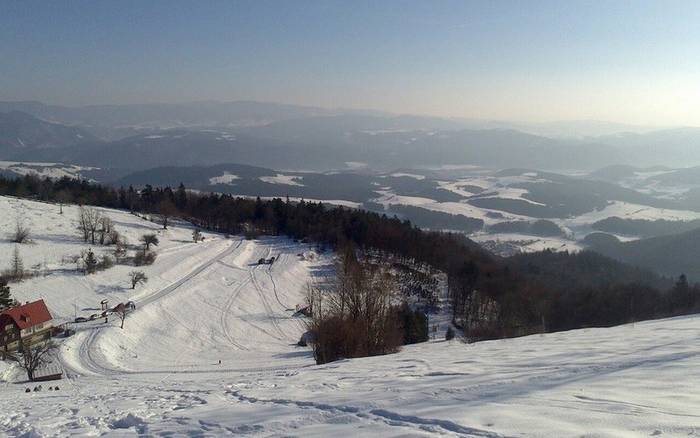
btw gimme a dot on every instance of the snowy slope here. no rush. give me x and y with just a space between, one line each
207 302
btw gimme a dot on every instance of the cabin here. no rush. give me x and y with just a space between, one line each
24 325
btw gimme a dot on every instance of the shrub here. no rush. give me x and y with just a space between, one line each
21 233
106 262
449 334
144 258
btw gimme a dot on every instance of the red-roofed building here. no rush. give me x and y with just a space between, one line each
26 324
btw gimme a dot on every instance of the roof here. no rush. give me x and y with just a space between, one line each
28 315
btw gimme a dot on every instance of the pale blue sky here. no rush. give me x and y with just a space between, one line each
626 61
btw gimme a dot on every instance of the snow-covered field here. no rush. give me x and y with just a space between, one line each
205 302
290 180
49 170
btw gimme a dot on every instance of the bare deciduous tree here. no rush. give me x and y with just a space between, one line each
88 223
63 197
354 316
31 357
121 311
167 210
148 240
105 229
137 277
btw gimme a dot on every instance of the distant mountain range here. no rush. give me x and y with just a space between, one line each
138 137
21 133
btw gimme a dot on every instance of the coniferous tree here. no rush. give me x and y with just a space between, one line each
90 262
6 300
16 266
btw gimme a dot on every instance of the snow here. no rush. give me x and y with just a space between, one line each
290 180
409 175
509 193
205 302
50 170
226 178
388 198
628 210
530 243
227 137
355 165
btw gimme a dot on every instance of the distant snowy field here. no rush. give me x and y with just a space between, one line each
207 302
49 170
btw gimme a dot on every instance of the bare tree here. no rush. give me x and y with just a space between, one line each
167 210
354 315
105 229
62 197
21 233
148 240
121 311
31 357
88 223
137 277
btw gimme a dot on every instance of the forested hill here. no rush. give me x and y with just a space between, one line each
670 255
524 294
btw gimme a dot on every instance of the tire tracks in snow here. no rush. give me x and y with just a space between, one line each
266 304
225 311
87 347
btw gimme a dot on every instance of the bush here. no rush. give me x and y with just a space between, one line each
144 258
21 233
106 262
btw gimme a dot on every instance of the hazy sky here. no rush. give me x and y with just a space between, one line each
636 61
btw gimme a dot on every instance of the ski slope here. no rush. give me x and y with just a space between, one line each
211 302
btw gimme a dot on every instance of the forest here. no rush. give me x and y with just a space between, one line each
491 297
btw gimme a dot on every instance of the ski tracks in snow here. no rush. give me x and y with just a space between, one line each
87 348
382 416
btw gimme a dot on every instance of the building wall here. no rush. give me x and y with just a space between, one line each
9 339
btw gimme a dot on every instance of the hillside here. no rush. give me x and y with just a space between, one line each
670 255
21 134
211 302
